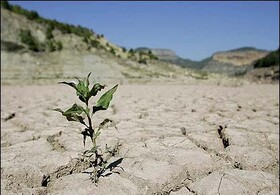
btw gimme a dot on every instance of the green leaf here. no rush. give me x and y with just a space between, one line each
75 109
104 101
71 84
82 91
82 88
87 79
96 87
75 117
73 113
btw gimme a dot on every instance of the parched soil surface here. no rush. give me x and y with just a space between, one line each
173 139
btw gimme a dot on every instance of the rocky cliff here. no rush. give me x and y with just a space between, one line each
233 62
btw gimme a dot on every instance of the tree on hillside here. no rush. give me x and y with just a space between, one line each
28 39
270 60
5 4
32 15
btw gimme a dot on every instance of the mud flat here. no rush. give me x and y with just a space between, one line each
173 139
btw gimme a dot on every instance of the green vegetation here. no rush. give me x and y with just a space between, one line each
87 35
79 113
59 46
112 51
270 60
198 74
95 43
49 34
50 45
152 56
29 40
100 36
131 53
33 15
5 4
142 61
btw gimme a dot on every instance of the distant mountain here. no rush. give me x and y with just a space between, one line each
233 62
236 61
170 56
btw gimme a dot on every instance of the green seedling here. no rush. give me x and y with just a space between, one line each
84 115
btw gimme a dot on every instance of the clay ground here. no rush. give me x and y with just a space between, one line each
174 139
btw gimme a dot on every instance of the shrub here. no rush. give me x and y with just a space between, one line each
94 43
112 51
28 39
142 61
59 46
100 36
78 113
131 53
85 39
49 34
32 15
51 46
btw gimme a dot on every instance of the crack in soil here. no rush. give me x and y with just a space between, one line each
220 183
227 158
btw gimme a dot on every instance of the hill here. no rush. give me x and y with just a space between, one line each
35 49
39 50
233 62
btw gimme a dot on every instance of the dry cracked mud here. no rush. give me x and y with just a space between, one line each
175 139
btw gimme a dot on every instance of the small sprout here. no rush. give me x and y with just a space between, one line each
84 115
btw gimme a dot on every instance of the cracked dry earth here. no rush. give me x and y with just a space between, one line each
174 139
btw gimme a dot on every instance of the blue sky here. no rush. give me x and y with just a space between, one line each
194 30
